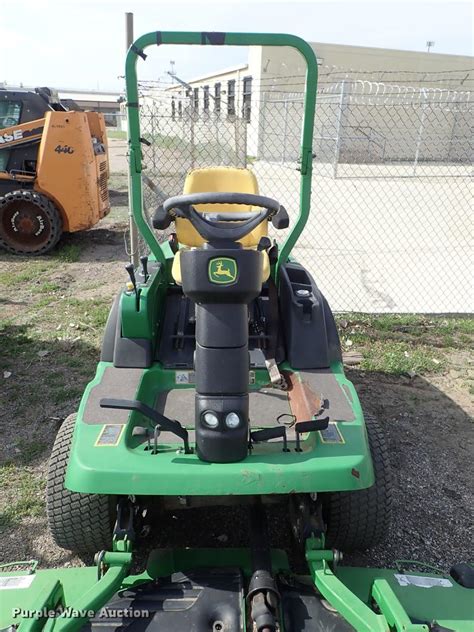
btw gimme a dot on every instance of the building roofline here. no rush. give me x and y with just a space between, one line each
210 75
393 50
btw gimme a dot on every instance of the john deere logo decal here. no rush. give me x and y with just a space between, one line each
222 270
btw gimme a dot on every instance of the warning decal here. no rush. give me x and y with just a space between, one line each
110 435
331 434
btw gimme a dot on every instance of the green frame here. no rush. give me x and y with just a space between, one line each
160 38
128 467
369 599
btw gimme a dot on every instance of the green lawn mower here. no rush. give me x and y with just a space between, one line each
221 382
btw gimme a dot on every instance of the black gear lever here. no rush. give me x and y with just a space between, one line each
144 262
131 273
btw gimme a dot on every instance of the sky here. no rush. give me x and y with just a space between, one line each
81 44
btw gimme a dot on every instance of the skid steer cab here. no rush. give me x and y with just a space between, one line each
53 170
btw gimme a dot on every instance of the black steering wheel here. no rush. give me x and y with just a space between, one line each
218 226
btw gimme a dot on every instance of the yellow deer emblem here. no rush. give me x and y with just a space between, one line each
222 270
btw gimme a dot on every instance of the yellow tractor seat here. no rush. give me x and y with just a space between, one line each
220 180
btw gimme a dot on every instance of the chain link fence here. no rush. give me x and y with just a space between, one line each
390 224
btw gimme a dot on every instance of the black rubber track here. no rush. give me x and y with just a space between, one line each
47 207
82 523
361 519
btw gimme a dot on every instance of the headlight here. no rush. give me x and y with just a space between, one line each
232 420
210 419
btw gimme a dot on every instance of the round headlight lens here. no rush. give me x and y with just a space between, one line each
232 420
211 419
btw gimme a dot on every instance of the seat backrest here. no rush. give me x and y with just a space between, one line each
220 180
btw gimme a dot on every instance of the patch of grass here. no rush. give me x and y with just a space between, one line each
69 253
90 312
23 494
44 301
404 343
63 394
47 286
169 142
31 271
433 331
116 133
13 345
30 450
399 358
75 363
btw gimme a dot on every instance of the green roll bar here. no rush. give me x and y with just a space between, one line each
159 38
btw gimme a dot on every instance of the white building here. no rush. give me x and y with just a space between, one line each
276 75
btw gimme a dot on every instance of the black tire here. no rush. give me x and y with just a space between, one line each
82 523
30 224
358 520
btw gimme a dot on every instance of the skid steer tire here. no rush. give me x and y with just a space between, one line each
30 224
358 520
82 523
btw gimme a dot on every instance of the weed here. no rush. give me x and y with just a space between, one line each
46 286
68 252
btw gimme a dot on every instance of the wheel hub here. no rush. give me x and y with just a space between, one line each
25 225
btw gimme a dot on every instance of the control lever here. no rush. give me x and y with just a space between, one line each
264 243
281 218
144 262
169 425
270 433
313 425
131 273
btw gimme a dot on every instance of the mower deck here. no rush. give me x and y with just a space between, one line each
120 444
206 589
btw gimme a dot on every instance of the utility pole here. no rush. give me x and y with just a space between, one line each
133 227
429 45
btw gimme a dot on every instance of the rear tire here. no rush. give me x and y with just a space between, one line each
30 224
358 520
82 523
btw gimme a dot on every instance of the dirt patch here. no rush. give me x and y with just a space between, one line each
53 313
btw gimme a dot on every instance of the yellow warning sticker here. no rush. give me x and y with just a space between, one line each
331 434
109 436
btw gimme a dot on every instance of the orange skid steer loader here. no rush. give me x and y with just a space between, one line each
53 170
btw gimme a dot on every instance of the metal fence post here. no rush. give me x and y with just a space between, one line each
285 131
217 139
153 139
420 131
339 127
261 127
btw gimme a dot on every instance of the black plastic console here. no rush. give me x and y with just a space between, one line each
221 282
311 336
